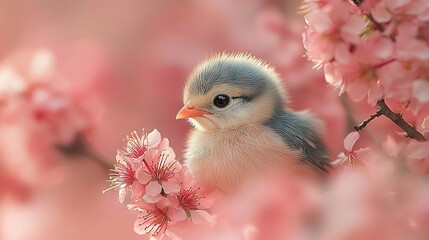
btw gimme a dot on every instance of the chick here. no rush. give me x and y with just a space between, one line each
242 128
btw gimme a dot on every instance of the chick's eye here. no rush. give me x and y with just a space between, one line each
221 101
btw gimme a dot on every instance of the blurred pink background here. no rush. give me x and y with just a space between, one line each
138 54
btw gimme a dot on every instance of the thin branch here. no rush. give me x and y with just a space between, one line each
80 147
398 120
97 158
383 109
368 120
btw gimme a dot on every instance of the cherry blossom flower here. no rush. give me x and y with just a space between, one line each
160 173
153 219
417 154
425 126
137 146
409 45
39 97
162 191
190 200
331 31
363 75
351 155
394 12
123 178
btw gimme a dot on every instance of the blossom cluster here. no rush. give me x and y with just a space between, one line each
44 104
375 50
372 49
157 186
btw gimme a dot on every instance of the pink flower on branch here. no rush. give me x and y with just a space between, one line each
146 165
137 146
191 201
43 94
153 219
351 155
122 178
160 173
364 75
163 191
332 31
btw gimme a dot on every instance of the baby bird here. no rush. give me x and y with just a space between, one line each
242 128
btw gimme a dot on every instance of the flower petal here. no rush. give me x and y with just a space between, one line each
201 216
351 30
142 175
170 186
163 203
177 214
341 158
350 140
384 48
122 194
153 138
375 93
357 91
425 123
164 144
332 75
319 21
380 13
153 188
138 190
152 199
342 54
421 90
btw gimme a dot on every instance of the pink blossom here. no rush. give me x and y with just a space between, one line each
331 31
272 207
360 77
424 127
39 98
418 156
137 146
421 91
351 155
41 95
408 45
153 219
159 173
123 178
191 201
397 12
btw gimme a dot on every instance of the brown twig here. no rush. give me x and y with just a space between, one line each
383 109
364 123
80 147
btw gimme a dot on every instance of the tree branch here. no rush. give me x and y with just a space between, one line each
399 121
368 120
82 148
383 109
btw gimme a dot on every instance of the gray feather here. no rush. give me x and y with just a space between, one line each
229 71
299 133
241 70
